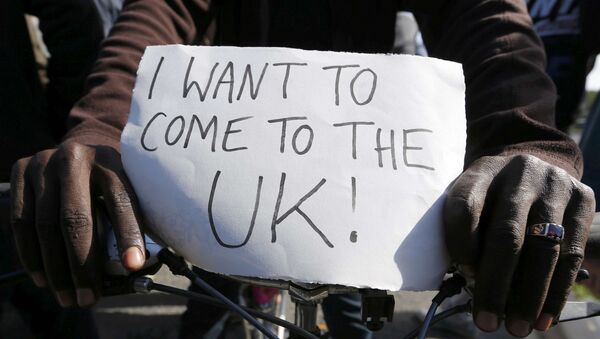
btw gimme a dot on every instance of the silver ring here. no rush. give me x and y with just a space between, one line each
547 230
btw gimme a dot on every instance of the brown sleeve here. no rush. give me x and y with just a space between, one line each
510 100
100 116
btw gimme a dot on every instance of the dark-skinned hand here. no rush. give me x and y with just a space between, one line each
523 280
51 218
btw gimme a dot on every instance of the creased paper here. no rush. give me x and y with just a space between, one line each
301 165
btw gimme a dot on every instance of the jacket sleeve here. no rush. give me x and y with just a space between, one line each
510 100
101 114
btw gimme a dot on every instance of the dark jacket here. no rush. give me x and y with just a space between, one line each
509 98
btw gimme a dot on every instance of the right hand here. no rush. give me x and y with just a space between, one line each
51 217
522 279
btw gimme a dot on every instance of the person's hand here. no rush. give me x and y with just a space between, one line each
51 217
522 279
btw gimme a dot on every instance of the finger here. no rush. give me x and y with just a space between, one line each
538 257
53 253
463 209
76 220
507 208
577 220
120 203
22 221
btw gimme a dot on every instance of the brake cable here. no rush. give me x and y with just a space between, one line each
145 285
178 266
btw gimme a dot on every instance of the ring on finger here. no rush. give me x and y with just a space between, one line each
548 230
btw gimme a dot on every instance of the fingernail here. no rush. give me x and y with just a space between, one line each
486 321
518 328
85 297
544 322
39 279
65 298
133 258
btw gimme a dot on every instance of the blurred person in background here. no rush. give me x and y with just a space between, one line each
569 30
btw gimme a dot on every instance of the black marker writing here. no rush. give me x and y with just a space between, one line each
187 88
248 75
309 142
354 135
391 148
283 122
203 132
373 86
143 138
154 77
296 208
252 221
227 71
181 128
406 148
353 234
288 66
353 181
229 131
337 79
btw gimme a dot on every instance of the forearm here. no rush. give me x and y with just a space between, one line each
100 116
510 101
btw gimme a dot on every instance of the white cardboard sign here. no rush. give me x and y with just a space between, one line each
289 164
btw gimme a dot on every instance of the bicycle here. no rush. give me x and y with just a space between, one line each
377 305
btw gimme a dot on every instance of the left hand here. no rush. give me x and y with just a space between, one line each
523 279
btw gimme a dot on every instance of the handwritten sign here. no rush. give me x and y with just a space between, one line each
288 164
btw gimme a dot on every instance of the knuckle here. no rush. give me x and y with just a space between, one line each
36 165
75 223
526 160
121 201
74 151
573 254
459 209
70 147
507 240
43 157
18 169
21 163
571 263
586 193
516 201
557 179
